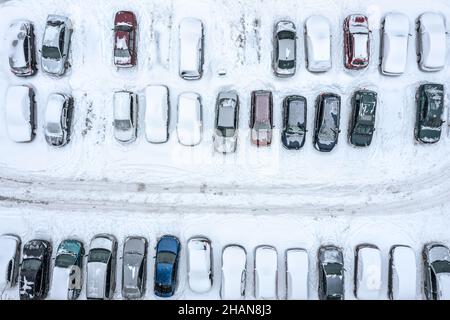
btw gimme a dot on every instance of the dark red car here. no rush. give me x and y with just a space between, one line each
356 42
125 26
261 118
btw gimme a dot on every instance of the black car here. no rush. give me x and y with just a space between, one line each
35 270
430 106
436 259
294 122
331 273
362 125
328 112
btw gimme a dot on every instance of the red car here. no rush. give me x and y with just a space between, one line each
261 118
125 26
356 42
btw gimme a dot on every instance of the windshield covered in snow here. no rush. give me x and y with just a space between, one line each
123 53
122 124
51 53
54 128
99 255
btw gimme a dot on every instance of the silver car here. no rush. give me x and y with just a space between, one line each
226 123
9 260
125 116
56 45
58 119
134 267
436 258
285 49
101 267
22 49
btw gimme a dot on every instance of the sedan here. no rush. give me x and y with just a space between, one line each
261 118
125 26
157 114
190 119
9 260
234 273
318 44
56 45
368 277
191 49
294 122
166 266
297 265
430 107
58 119
362 125
326 133
356 42
266 273
125 116
431 40
199 264
134 267
394 44
402 283
226 122
436 259
35 270
22 48
331 273
285 49
21 113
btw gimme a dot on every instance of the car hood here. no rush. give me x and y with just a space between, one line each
96 278
124 136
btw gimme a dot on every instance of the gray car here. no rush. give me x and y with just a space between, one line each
331 273
134 267
436 258
285 49
56 45
226 123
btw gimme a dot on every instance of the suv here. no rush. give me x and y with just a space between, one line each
430 107
125 26
226 122
285 49
22 50
328 109
362 125
261 118
356 42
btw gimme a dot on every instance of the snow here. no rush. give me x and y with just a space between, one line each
18 113
96 280
404 274
54 108
266 273
297 268
157 114
122 105
369 274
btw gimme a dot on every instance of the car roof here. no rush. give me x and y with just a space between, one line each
54 108
122 105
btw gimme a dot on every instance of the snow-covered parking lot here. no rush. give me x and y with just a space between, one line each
396 191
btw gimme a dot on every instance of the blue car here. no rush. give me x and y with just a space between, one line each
166 266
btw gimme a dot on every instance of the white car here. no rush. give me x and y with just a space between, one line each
58 119
368 273
297 265
157 114
199 264
402 273
191 49
20 113
9 260
431 36
394 44
189 120
318 44
266 273
234 273
125 116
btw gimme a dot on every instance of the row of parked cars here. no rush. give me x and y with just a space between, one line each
431 44
65 281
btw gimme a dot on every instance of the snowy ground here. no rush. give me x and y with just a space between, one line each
395 191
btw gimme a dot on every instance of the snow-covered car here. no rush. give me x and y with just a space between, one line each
189 119
297 269
431 40
191 49
261 118
328 113
285 49
234 273
368 277
436 259
125 116
157 114
58 119
20 113
134 267
56 45
430 109
266 273
394 44
199 264
402 281
125 26
331 273
226 122
9 260
67 277
294 122
101 267
318 44
362 126
22 48
356 42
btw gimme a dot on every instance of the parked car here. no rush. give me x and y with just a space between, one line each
234 273
356 42
22 48
166 266
134 267
431 40
56 45
430 108
191 49
9 260
35 270
436 258
200 275
58 119
362 127
331 273
394 44
261 118
20 113
294 122
285 49
226 122
101 267
157 114
328 112
190 119
368 272
402 281
266 273
125 116
125 26
297 269
67 279
318 44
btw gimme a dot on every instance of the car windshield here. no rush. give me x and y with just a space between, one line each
286 64
262 126
65 260
51 53
363 129
99 255
122 124
122 53
54 128
226 120
124 28
441 267
31 264
166 257
333 269
286 35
